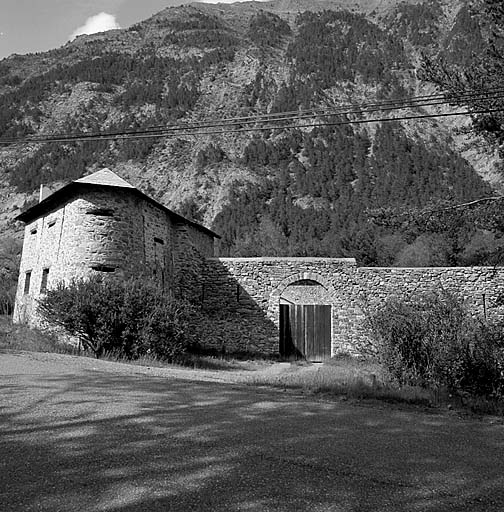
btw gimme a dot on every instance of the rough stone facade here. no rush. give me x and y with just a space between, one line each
250 291
100 229
101 224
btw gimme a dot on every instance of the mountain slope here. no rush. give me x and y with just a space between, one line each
301 191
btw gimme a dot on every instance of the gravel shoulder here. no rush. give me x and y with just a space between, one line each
78 434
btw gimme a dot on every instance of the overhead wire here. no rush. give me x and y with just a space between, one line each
145 135
270 118
326 112
397 102
183 129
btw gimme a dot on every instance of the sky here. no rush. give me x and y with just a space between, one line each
28 26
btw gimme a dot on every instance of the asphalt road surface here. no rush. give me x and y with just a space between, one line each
84 435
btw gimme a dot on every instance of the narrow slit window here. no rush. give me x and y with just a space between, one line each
103 268
101 212
27 282
45 277
51 223
33 231
159 241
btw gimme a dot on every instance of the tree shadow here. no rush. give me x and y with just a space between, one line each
97 440
236 321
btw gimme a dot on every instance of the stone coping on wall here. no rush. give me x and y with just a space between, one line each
350 261
347 261
399 269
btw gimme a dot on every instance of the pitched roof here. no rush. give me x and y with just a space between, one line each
103 178
106 178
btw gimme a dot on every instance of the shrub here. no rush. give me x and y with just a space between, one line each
432 340
129 318
484 362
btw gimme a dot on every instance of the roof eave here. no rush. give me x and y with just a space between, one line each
38 209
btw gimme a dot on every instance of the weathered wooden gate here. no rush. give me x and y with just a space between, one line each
305 331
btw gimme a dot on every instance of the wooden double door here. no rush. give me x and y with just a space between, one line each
305 331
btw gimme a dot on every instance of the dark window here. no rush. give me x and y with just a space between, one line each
51 223
33 231
43 284
103 268
27 282
159 241
102 212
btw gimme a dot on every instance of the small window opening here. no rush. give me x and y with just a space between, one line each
103 268
159 241
43 284
33 231
27 282
51 223
101 212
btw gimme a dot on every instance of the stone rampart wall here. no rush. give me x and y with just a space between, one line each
245 294
248 291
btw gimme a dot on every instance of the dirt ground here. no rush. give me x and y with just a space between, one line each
78 434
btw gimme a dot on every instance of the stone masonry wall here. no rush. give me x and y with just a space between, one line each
158 238
95 232
189 265
245 294
101 231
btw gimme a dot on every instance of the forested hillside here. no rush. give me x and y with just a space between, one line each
302 191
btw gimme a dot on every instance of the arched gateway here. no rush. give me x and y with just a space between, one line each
305 317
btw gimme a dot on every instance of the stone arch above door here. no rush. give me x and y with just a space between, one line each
301 276
306 291
274 298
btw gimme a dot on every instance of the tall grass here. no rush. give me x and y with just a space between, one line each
347 378
22 337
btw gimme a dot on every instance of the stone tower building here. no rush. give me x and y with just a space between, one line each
102 224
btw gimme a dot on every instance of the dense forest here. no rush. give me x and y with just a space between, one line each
323 205
303 191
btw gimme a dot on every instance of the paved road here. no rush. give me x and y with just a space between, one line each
83 435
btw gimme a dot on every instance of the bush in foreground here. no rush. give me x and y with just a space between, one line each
130 318
432 340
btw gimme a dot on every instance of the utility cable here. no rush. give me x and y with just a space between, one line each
161 134
181 129
449 99
326 112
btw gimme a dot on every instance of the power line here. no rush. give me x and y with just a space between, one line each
162 134
271 118
194 128
414 102
448 99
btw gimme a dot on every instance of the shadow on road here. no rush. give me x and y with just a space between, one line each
94 440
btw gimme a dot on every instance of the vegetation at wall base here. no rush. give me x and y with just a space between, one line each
22 337
130 318
431 340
